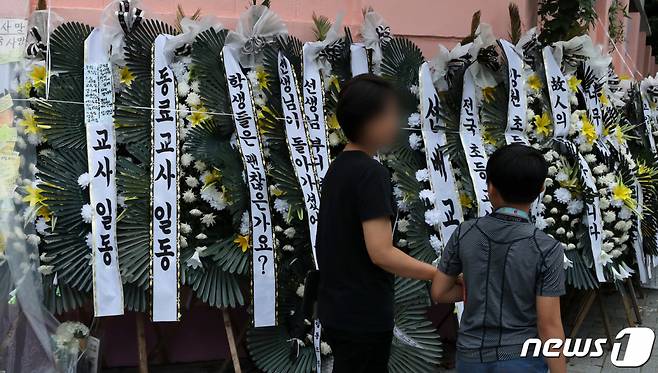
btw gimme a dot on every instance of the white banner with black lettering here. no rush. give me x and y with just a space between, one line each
648 122
101 158
315 123
359 59
442 179
638 245
300 151
517 102
164 188
471 139
264 275
593 217
558 94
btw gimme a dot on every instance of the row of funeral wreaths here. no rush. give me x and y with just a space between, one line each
192 155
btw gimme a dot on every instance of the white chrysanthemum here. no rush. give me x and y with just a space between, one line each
183 88
403 225
427 195
413 89
185 228
208 220
569 234
196 212
422 175
415 141
201 236
183 242
585 147
554 211
432 217
186 159
590 158
325 349
88 240
548 183
195 86
560 231
414 120
41 226
281 206
552 170
540 223
300 291
564 218
563 195
46 269
604 203
402 242
334 139
33 240
245 223
192 181
621 226
435 243
289 248
86 213
575 207
290 232
608 246
199 166
547 198
609 216
121 200
600 169
571 246
625 213
193 99
550 221
84 180
561 176
624 237
606 179
189 196
194 261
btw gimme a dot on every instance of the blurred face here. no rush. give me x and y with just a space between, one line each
382 130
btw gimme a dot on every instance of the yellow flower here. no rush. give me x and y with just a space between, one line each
589 131
38 76
277 192
534 82
33 195
29 123
262 77
543 124
333 81
488 93
126 76
198 116
24 89
624 77
45 213
333 122
488 137
212 177
621 192
242 241
604 99
619 135
465 200
573 83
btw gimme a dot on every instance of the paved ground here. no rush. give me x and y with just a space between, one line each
593 328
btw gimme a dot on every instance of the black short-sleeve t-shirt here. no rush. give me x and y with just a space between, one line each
354 294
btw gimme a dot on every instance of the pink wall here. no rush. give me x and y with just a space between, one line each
426 22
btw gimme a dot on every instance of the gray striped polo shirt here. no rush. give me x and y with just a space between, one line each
507 263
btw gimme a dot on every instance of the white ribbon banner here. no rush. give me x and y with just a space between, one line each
471 139
101 158
314 111
164 192
558 94
593 217
638 243
13 37
359 59
648 122
264 274
517 102
303 162
442 179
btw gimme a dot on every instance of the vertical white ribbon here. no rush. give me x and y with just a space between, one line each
164 192
359 59
303 159
593 217
442 180
638 243
471 139
263 269
517 102
648 122
558 94
101 158
314 110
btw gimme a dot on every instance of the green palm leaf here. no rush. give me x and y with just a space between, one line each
67 49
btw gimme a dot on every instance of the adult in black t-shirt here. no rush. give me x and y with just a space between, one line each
355 249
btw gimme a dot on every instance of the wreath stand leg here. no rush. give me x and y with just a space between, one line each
231 341
583 311
606 319
634 303
141 343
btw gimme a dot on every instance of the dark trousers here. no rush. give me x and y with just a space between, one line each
359 352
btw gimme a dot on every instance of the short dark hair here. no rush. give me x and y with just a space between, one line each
360 100
518 172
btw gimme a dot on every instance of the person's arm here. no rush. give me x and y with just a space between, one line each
379 243
549 325
447 289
